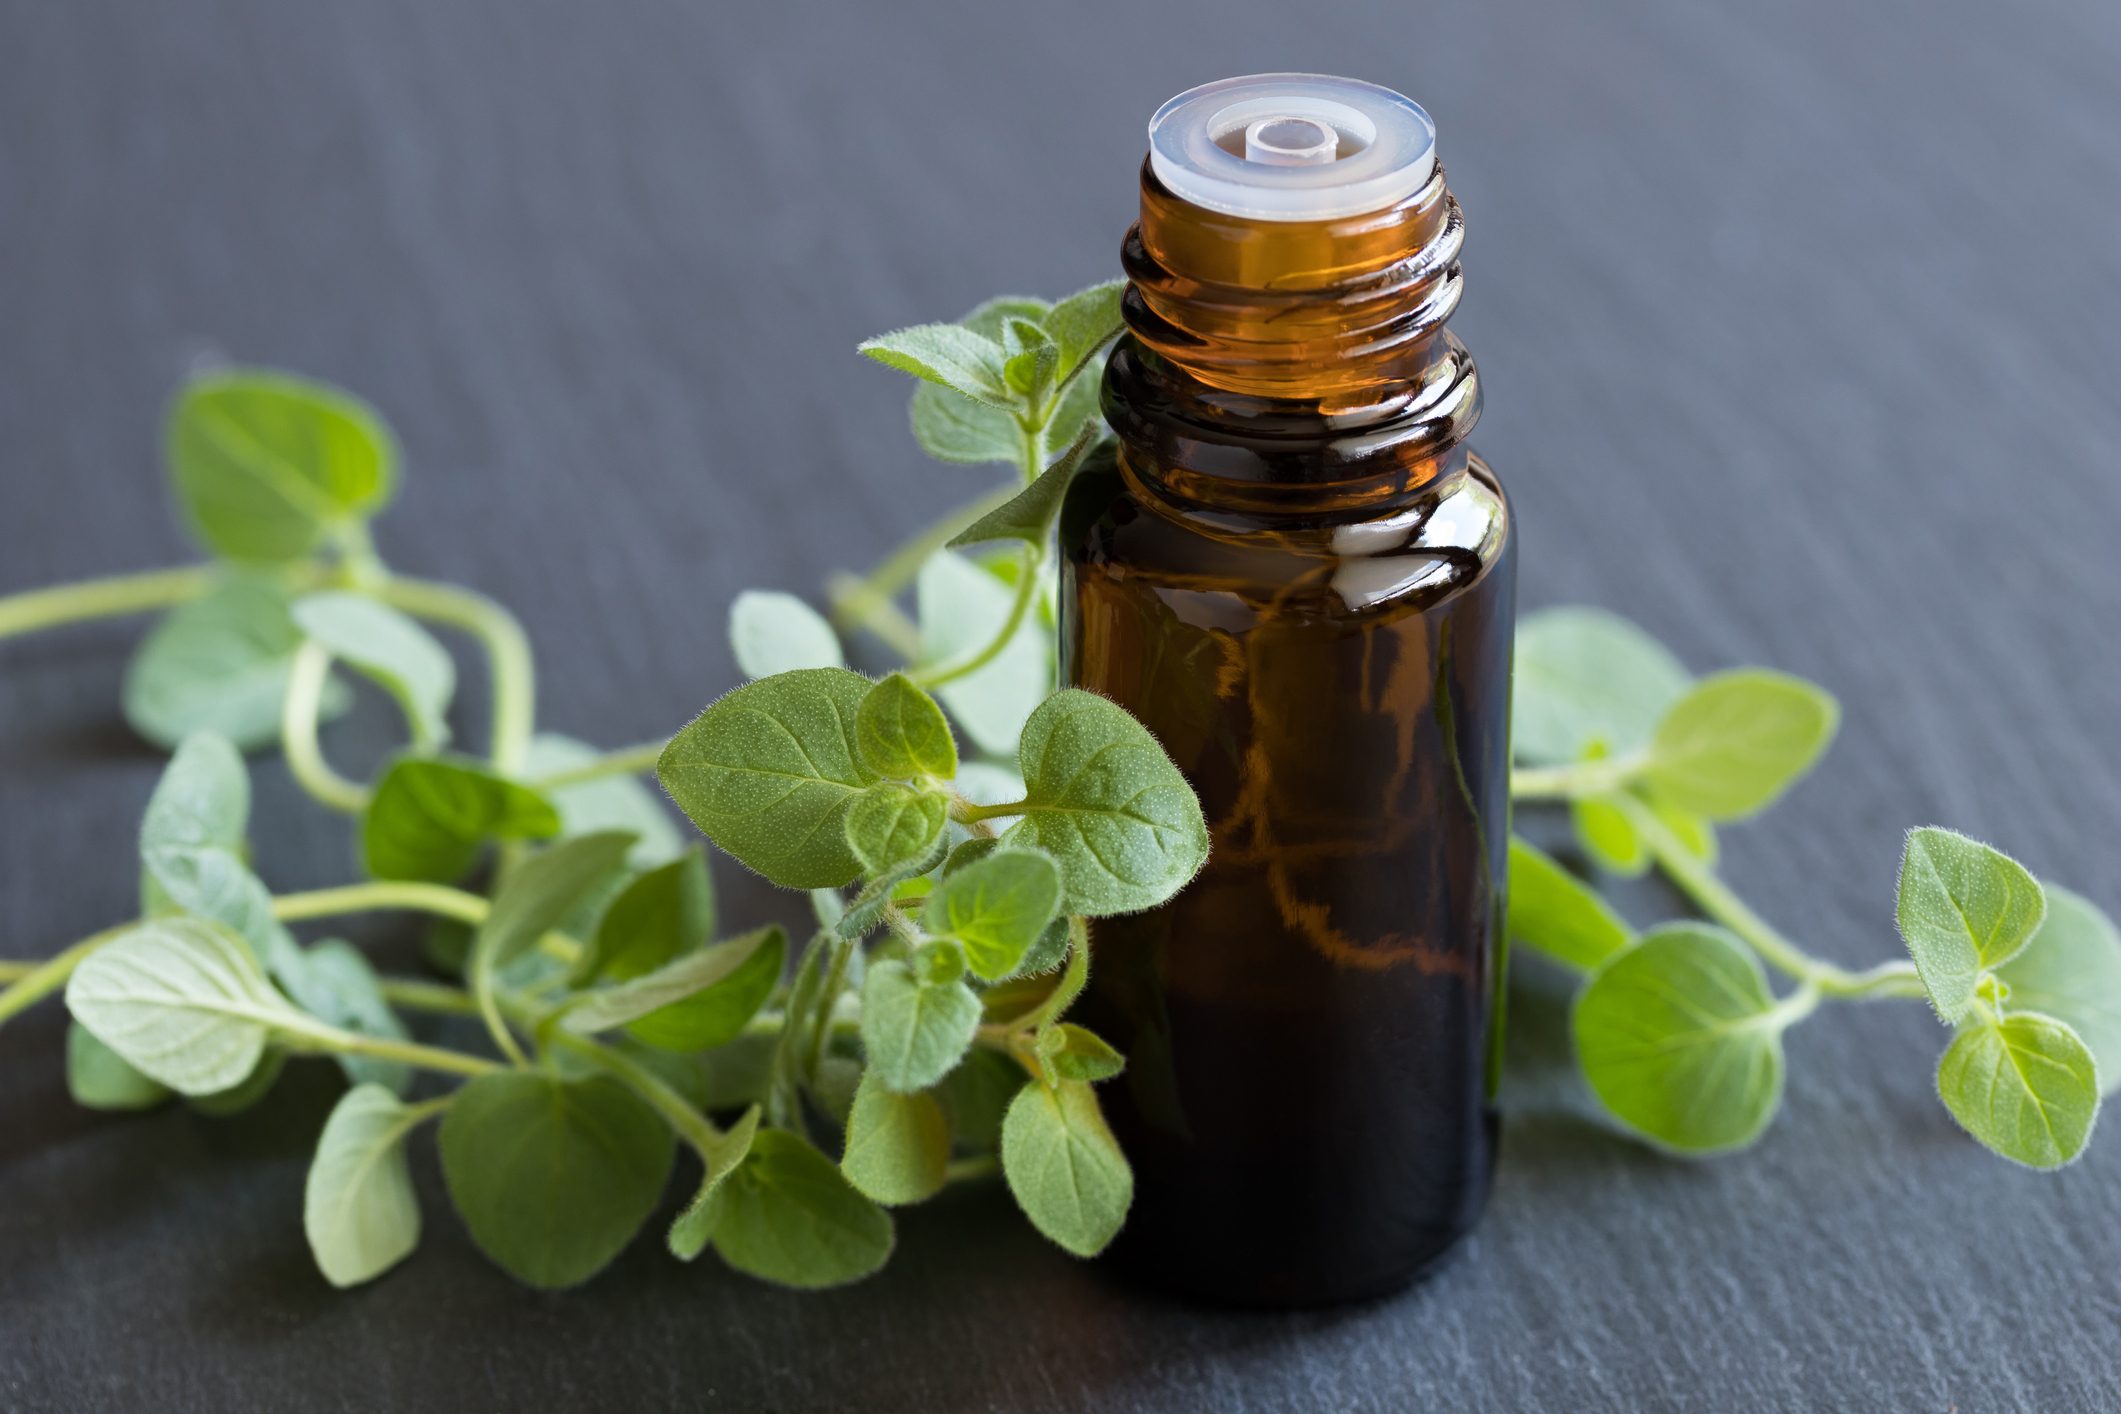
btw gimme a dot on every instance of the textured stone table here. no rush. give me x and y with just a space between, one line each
1801 326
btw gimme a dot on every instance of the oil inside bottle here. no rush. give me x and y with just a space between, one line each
1293 570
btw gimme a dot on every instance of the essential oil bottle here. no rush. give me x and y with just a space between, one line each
1295 571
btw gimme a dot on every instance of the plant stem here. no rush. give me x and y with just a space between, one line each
1715 898
417 994
695 1128
306 677
971 812
976 1166
50 975
507 654
330 1038
1027 591
1569 782
105 598
828 1001
630 761
16 971
854 601
863 607
385 895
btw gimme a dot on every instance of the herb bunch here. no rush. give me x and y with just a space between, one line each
955 822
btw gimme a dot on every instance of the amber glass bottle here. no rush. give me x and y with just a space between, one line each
1296 573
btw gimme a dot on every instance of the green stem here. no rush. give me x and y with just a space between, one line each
417 994
330 1038
631 761
1715 898
856 599
49 976
1027 591
16 971
299 710
388 895
695 1128
507 655
1569 782
971 812
973 1167
828 1002
106 598
862 607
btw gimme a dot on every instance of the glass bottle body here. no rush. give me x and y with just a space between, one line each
1309 602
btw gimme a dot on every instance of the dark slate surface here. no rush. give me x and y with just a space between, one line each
1800 323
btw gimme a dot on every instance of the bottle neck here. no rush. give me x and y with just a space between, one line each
1293 366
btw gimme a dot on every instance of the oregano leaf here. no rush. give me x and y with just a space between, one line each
2071 971
1029 357
608 803
658 915
996 907
389 647
788 1215
916 1024
182 1001
898 1146
268 467
769 771
1072 1052
1583 675
1680 1040
954 428
947 354
221 664
553 1177
99 1078
692 1229
1964 908
695 1002
1736 741
358 1208
1105 802
771 632
1064 1167
962 607
1032 513
2027 1087
1554 913
889 824
900 732
1609 837
1084 322
429 817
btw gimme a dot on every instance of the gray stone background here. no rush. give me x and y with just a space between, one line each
1800 323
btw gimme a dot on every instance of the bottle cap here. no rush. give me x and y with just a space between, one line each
1292 147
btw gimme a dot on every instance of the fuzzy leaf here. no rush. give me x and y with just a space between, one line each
890 824
1963 908
787 1215
898 1146
1585 675
917 1020
1064 1166
1554 913
946 354
358 1210
997 907
692 1229
771 632
2026 1087
220 664
429 818
2071 971
1737 741
901 733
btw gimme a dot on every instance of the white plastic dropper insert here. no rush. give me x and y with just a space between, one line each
1292 147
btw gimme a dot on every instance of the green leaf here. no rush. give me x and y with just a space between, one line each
946 354
335 983
1032 513
977 1095
553 1177
691 1230
390 648
1070 1052
898 1146
358 1208
1085 322
987 318
917 1020
1029 358
1077 408
996 906
182 1001
901 733
269 467
2026 1087
1737 741
1585 675
202 800
1963 908
1047 952
429 817
1608 836
1555 914
1108 805
245 1093
692 1003
1695 835
953 428
220 663
788 1215
541 891
2071 971
1064 1166
962 607
769 771
657 916
1681 1040
866 913
771 632
609 803
889 824
100 1079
